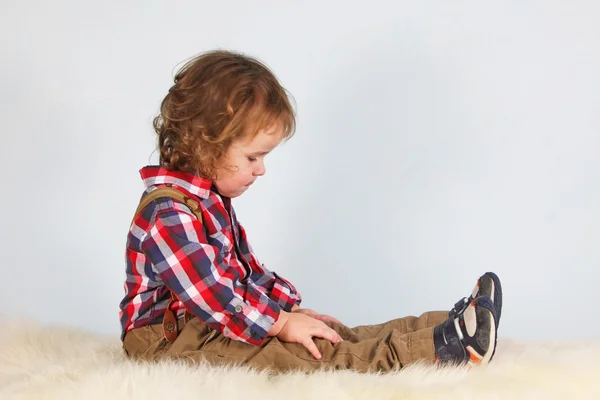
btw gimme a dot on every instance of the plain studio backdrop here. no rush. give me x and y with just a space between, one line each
436 140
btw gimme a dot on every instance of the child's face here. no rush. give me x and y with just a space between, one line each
244 162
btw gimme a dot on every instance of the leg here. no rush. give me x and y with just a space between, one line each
198 343
487 285
402 325
467 335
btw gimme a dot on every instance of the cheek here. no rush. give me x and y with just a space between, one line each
238 178
245 171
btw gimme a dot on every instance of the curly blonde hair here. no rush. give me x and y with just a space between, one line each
218 97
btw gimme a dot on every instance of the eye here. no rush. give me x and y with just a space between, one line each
251 159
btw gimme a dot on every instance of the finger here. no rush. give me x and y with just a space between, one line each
336 336
312 347
321 323
332 335
339 338
328 318
328 334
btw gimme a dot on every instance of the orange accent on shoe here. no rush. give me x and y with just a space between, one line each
474 359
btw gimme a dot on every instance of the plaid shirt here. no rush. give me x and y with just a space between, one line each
208 265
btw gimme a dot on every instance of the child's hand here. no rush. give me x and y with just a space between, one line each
316 315
301 328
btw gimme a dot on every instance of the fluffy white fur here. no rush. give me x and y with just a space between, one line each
41 362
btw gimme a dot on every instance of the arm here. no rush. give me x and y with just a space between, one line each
296 307
282 291
209 288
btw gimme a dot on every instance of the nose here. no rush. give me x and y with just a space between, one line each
260 169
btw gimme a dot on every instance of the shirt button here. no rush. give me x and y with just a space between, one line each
238 309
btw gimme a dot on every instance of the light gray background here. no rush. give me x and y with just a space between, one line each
436 140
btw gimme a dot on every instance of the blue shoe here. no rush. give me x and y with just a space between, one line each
488 285
469 337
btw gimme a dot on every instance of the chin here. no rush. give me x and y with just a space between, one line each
235 194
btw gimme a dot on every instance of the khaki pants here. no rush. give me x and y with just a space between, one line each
373 348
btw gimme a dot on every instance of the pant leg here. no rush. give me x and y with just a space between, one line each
199 343
403 325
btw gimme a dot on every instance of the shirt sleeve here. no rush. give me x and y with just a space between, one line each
208 287
284 293
281 290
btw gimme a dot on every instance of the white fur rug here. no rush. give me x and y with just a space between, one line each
40 362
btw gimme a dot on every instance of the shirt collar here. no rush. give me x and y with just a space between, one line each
153 175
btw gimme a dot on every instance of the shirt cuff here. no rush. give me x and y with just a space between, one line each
247 323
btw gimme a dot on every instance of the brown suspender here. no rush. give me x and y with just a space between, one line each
178 195
170 327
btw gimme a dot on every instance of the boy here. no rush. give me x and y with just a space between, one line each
196 290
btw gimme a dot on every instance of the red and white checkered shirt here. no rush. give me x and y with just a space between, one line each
208 265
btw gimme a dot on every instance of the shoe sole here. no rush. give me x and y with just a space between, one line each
495 294
487 304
